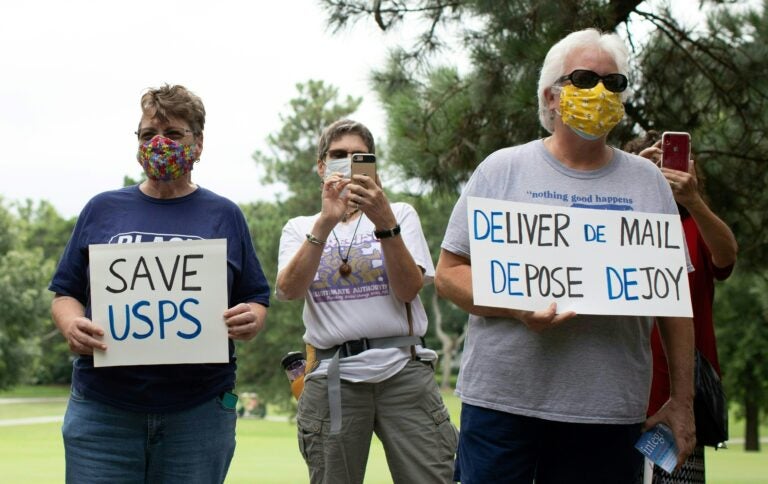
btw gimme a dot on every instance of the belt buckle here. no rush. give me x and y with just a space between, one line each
355 347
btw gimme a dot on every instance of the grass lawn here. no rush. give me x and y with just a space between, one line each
267 451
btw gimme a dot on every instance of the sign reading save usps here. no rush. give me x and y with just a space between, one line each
526 256
160 302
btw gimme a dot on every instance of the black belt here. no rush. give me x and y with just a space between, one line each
357 346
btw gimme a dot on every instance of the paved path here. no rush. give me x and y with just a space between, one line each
60 418
9 422
4 401
31 420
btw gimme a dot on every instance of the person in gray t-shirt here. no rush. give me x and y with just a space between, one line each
561 397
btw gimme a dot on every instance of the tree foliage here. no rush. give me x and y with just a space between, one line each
713 85
293 149
743 346
31 239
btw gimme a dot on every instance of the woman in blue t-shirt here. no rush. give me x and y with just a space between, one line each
156 422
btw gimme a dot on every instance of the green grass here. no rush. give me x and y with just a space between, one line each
32 454
36 391
267 451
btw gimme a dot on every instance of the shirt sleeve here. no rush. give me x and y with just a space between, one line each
456 238
413 237
71 275
250 285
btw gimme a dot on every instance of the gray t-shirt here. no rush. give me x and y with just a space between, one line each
591 369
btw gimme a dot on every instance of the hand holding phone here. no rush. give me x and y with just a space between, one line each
364 164
675 150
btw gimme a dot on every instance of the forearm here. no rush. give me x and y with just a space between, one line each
453 281
716 234
294 280
677 337
405 277
64 311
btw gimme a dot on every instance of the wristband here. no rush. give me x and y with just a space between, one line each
386 234
314 240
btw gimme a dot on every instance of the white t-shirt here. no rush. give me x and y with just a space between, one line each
361 305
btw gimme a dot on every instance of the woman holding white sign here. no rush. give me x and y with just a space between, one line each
142 421
560 397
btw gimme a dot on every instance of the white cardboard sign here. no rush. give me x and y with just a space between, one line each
525 256
160 302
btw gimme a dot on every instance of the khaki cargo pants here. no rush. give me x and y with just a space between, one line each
406 412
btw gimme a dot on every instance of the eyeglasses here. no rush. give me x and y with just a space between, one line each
175 134
584 79
339 154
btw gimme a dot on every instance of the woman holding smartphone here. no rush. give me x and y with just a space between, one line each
712 248
359 265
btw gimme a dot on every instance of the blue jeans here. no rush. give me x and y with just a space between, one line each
104 444
501 447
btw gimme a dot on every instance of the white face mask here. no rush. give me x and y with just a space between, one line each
343 166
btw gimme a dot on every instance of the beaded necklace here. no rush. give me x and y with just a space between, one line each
345 269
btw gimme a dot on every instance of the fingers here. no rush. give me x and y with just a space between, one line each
563 317
652 153
84 336
364 191
650 422
362 181
235 310
685 444
546 319
242 323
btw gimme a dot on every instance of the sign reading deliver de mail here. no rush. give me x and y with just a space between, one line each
525 256
160 302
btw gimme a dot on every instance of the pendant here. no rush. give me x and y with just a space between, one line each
345 270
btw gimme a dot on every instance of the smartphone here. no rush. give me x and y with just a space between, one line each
364 164
675 150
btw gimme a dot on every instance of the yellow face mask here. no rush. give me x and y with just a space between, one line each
590 113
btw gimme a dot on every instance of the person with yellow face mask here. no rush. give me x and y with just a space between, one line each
553 396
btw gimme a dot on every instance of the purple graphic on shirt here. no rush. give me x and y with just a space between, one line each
367 279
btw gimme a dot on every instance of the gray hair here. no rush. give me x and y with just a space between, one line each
342 127
554 63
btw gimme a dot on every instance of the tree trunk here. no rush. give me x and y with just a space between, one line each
751 425
445 378
445 340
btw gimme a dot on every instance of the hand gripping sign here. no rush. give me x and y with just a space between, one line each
525 256
160 303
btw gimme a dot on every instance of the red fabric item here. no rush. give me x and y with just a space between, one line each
702 284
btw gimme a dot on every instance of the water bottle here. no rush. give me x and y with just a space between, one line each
294 365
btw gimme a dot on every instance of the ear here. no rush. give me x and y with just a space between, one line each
320 168
553 99
198 145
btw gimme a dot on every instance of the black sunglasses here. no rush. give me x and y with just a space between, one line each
584 79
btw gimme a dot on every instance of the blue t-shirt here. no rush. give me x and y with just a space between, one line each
129 216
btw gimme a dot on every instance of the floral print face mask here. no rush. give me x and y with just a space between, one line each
164 159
